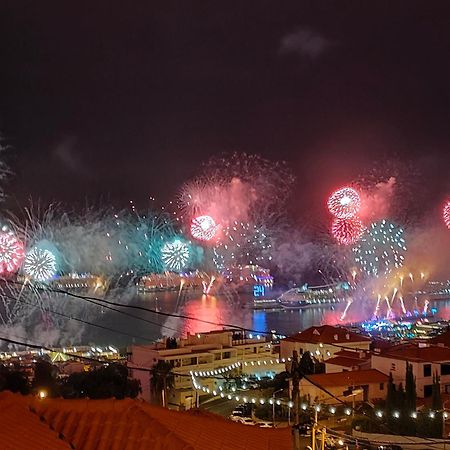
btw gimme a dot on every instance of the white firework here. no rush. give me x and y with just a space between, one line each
175 255
381 248
40 264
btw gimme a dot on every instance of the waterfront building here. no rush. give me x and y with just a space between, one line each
229 351
323 342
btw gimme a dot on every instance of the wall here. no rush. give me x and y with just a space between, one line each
374 393
320 352
398 369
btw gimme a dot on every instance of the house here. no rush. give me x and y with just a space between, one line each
202 353
426 360
323 342
353 386
29 423
345 360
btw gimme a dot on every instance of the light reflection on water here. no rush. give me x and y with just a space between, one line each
218 310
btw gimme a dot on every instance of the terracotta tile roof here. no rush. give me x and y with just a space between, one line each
414 352
360 355
327 334
356 377
443 338
345 362
23 430
129 425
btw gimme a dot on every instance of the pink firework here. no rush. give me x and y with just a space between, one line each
346 231
11 253
344 203
203 228
446 214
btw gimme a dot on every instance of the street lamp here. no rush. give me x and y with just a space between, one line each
273 406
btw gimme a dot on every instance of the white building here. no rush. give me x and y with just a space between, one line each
360 385
426 360
204 352
323 342
345 360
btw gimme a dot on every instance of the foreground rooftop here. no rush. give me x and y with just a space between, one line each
32 424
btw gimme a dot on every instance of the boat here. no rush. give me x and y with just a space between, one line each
299 298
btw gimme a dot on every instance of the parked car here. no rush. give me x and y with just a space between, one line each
264 424
389 447
236 417
247 421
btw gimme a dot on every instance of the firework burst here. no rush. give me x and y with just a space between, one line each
40 264
203 228
344 203
446 214
242 244
347 231
381 248
175 255
11 253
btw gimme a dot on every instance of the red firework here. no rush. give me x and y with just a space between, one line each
344 203
347 231
446 214
11 253
203 228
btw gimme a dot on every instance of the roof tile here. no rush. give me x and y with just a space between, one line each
327 334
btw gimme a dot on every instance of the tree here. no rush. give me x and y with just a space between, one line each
408 404
298 371
162 379
45 378
391 396
436 400
103 382
13 380
410 389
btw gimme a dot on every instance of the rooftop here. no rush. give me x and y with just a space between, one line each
362 355
327 334
349 378
33 424
345 362
414 352
443 339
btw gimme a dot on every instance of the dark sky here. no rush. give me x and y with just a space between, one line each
123 102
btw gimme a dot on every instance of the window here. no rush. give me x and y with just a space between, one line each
428 390
445 369
254 349
381 386
427 370
226 355
301 351
393 367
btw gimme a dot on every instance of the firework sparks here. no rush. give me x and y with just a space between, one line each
344 203
347 231
175 255
40 264
11 253
203 228
381 248
446 214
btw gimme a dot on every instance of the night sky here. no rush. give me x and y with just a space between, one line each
119 103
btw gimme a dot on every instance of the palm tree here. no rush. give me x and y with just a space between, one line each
162 379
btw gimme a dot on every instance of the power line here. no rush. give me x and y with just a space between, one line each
103 327
103 302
